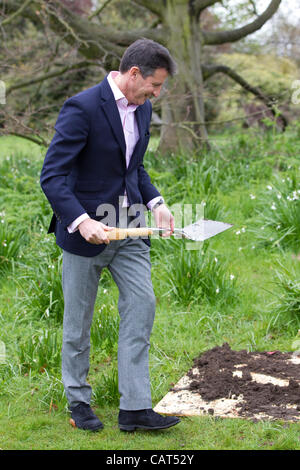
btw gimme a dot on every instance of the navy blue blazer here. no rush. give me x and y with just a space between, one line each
85 164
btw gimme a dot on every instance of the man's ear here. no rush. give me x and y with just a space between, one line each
134 71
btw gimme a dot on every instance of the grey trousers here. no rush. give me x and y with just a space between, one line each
129 263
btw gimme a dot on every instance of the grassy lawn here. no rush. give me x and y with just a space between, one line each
241 287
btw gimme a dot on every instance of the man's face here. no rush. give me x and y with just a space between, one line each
140 89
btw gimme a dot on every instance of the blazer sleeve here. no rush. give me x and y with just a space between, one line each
147 189
71 134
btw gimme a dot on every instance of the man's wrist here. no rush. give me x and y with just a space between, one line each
153 201
158 203
75 224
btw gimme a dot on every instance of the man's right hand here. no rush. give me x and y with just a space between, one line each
94 232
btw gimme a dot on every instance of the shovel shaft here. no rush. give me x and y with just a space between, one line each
122 233
199 231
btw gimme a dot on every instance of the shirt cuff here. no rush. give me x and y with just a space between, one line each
152 203
74 225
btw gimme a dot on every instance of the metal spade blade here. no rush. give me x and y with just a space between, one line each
204 229
200 230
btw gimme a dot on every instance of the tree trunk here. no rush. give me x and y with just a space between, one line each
183 107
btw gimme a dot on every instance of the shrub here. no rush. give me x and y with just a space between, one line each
106 391
279 213
286 308
20 192
40 351
40 289
199 275
11 241
105 328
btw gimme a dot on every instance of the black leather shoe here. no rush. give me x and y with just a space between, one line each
83 417
145 419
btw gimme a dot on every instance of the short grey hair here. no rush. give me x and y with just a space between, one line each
148 56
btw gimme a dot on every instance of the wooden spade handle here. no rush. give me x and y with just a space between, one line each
122 233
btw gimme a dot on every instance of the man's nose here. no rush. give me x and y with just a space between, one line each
156 92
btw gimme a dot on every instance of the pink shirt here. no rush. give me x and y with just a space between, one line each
131 134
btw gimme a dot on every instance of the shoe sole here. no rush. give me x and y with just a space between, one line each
97 428
130 428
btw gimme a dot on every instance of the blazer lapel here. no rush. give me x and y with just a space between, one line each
139 120
111 111
139 114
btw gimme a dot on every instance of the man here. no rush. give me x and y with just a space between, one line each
96 157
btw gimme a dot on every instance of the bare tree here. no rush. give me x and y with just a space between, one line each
178 24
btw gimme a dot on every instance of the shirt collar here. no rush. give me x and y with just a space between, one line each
118 95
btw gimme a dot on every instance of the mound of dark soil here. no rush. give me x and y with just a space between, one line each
216 379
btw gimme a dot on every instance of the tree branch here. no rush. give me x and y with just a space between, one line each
98 42
159 122
29 9
36 139
155 6
16 13
200 5
222 37
254 7
210 70
45 76
94 42
99 10
20 129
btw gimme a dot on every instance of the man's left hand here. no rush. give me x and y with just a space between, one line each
164 219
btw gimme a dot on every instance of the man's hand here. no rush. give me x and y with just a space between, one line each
164 219
94 232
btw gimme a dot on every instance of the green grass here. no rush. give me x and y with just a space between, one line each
18 146
239 287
